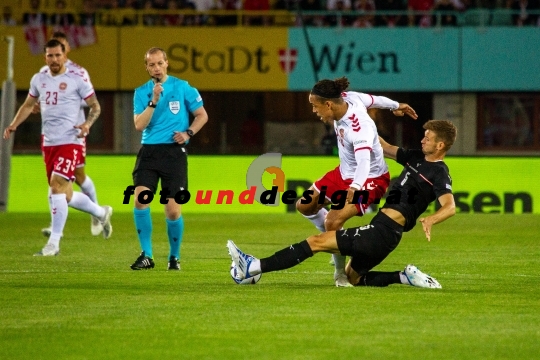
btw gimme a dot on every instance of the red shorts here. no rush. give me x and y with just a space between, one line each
83 156
62 160
375 186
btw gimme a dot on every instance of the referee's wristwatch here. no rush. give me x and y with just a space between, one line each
152 104
190 133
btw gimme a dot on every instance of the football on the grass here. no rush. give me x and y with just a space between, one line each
250 281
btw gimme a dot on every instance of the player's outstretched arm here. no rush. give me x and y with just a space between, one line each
405 109
448 209
390 151
22 114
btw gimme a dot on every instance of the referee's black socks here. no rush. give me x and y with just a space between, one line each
287 258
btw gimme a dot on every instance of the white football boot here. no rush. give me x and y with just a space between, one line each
96 227
48 250
419 279
241 260
106 223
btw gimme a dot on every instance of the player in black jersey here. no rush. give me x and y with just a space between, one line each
425 178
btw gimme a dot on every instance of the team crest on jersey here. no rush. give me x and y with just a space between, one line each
174 106
341 136
62 86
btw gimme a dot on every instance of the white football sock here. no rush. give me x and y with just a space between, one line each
254 267
49 193
403 278
339 264
59 213
82 202
89 189
318 219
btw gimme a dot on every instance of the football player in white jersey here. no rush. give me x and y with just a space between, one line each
84 181
59 92
362 168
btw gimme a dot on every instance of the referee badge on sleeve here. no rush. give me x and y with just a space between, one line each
174 106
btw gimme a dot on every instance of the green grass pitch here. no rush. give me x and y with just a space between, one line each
87 304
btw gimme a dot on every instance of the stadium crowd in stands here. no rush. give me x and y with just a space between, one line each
350 13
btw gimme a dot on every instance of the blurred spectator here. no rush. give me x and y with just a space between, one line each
173 19
149 17
503 16
160 4
367 7
524 17
391 20
467 4
230 5
341 19
256 5
62 17
7 17
441 10
423 20
113 15
286 5
310 5
204 5
88 15
35 16
129 15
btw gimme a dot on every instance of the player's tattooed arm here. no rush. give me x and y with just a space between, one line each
95 110
93 114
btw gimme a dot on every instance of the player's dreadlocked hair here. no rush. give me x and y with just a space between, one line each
444 130
330 89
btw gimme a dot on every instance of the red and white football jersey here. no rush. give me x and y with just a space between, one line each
73 66
356 131
60 99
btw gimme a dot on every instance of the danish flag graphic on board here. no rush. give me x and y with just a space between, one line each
287 59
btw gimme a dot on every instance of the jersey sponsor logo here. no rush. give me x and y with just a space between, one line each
174 106
287 59
43 85
360 142
198 99
449 187
62 86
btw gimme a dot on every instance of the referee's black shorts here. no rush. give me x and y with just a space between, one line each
167 162
369 245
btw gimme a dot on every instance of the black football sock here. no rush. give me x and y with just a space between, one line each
287 258
379 279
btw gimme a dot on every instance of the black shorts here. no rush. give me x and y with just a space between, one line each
167 162
369 245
